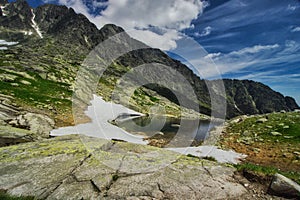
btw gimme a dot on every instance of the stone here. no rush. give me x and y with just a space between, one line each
274 133
246 133
285 187
269 127
10 136
286 127
296 153
7 77
261 120
80 167
15 84
25 82
36 123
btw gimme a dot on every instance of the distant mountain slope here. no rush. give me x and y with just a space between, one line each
53 42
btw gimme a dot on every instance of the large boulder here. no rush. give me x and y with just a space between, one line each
80 167
285 187
36 123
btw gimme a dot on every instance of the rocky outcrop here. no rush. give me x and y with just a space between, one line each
283 186
19 16
66 168
7 110
291 103
11 136
36 123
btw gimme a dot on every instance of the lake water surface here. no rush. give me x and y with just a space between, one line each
183 132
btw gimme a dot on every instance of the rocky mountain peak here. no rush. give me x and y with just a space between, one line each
16 15
111 29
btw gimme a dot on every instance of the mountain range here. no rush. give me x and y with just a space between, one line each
50 42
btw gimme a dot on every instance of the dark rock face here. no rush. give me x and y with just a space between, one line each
64 23
68 28
250 97
19 16
291 103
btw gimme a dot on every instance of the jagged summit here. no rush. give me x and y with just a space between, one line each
55 21
17 15
111 29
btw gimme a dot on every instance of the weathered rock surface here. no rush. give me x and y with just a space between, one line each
10 135
7 110
79 167
36 123
283 186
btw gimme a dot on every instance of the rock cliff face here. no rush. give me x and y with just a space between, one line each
54 40
250 97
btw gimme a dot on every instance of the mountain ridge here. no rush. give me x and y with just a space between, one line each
64 30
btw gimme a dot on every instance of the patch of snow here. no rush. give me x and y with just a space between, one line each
35 26
3 42
101 113
27 32
220 155
3 11
3 48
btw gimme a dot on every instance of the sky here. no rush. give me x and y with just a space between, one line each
257 39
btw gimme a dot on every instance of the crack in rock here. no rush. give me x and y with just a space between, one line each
160 189
96 188
47 193
206 170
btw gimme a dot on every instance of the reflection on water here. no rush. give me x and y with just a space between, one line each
162 131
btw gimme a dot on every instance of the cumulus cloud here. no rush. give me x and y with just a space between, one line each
168 17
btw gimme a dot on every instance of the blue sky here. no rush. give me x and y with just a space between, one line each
257 39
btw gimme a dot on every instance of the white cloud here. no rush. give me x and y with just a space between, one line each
165 42
139 17
212 55
291 7
254 49
173 14
291 47
236 60
295 29
205 32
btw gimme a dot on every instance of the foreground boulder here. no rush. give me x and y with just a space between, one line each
80 167
285 187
